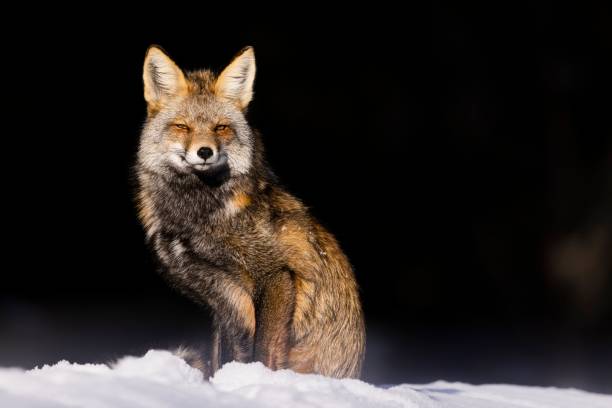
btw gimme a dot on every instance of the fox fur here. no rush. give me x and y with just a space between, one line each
280 289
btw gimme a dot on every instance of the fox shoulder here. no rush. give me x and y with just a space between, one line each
283 202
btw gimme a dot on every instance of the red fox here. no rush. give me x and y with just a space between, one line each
280 289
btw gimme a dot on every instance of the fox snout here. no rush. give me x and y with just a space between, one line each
205 157
202 154
205 152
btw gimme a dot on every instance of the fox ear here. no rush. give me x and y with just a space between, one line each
235 83
163 79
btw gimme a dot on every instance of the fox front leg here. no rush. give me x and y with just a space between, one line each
275 305
233 326
232 308
226 347
216 347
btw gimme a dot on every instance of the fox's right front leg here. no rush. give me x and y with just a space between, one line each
232 308
216 345
233 321
232 305
230 342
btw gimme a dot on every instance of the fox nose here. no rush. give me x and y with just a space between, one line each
205 152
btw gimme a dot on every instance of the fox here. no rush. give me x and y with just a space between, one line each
227 235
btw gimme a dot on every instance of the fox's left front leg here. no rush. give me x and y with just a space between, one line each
275 304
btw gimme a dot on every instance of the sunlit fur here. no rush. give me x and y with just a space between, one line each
279 287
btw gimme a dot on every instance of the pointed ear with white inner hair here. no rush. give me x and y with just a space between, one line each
235 83
163 79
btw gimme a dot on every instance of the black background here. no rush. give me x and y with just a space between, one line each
459 154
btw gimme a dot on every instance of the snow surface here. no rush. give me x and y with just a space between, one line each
160 379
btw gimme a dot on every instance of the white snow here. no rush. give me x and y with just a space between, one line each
160 379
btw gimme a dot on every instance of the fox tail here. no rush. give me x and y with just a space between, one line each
194 358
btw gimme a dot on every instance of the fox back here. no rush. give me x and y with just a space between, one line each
279 287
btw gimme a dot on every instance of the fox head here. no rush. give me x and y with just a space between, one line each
196 121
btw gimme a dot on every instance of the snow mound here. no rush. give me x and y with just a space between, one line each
160 379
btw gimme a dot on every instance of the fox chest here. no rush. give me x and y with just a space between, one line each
186 232
234 250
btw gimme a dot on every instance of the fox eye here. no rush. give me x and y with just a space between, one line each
220 128
181 126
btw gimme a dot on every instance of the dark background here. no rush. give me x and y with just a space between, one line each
462 156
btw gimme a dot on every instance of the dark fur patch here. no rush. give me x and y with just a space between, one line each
215 176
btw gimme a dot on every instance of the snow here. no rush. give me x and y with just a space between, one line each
160 379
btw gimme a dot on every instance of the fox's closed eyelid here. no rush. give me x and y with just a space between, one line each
181 126
221 126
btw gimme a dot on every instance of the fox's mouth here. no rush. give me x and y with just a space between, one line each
217 165
213 174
